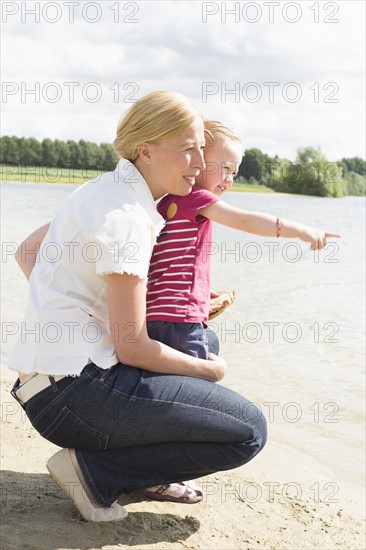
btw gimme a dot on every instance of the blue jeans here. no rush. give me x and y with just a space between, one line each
189 338
133 429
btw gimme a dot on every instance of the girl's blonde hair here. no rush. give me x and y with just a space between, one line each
153 117
218 132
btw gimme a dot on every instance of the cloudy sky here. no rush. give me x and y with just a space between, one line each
284 74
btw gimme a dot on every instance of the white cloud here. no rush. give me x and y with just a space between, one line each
170 47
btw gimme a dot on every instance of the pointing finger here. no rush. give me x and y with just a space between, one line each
332 235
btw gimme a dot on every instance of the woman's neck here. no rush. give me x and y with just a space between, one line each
148 177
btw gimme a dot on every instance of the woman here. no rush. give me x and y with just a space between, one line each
129 411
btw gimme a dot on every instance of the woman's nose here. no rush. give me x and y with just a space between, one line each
199 160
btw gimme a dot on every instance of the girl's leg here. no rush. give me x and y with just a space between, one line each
213 341
134 429
190 338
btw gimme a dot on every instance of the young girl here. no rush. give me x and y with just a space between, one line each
178 290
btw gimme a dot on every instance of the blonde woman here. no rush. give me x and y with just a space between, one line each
129 411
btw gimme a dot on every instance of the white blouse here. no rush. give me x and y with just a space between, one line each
108 225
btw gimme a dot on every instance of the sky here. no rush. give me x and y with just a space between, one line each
284 74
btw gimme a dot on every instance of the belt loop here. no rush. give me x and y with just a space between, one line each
53 383
13 392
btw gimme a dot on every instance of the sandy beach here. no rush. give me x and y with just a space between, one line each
267 504
305 489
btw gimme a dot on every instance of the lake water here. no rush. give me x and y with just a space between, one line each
293 339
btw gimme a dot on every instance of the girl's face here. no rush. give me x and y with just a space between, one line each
222 163
175 162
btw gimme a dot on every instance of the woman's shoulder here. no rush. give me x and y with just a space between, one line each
102 195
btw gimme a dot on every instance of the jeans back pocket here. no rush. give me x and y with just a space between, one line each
69 430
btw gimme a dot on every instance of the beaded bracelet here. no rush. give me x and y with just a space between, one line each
278 226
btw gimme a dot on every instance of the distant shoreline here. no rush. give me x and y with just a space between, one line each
236 188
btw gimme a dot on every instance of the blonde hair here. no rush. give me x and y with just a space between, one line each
218 132
153 117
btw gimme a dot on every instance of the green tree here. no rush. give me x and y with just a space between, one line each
109 157
49 154
256 166
355 184
9 150
355 164
63 154
280 176
311 174
316 175
36 148
307 155
30 151
88 154
75 154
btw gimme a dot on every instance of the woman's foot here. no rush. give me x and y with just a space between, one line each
65 470
185 492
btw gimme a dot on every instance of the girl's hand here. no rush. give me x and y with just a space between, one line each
316 237
219 366
26 255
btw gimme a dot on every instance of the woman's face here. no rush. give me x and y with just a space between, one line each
176 161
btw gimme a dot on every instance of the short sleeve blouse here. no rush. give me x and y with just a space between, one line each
108 225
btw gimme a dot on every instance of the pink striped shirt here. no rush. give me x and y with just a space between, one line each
178 288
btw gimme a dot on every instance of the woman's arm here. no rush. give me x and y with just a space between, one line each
264 224
127 313
26 254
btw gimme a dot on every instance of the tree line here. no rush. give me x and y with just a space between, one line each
57 153
310 174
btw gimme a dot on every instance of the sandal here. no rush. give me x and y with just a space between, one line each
185 492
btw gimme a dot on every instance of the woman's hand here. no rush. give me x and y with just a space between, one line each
127 311
219 366
316 237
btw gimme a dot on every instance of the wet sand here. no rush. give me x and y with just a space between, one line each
267 504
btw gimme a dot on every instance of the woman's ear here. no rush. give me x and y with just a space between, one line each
145 152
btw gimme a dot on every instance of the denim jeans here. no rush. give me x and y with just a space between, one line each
189 338
133 429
